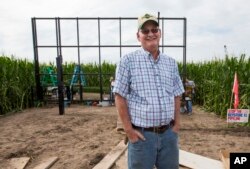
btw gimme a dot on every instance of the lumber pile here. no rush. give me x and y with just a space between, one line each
109 160
21 163
196 161
224 156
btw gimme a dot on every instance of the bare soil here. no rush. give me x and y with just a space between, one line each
85 134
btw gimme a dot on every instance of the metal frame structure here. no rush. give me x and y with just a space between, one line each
59 47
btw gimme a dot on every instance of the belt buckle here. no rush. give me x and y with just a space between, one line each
158 129
155 130
164 128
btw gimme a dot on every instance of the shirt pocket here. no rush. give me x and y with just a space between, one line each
167 79
141 84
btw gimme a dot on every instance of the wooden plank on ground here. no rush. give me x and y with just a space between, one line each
112 156
19 163
196 161
46 164
224 155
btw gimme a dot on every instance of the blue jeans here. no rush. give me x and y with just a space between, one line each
189 106
111 95
160 150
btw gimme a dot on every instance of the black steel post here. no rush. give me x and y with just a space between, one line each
78 55
59 68
39 90
100 60
184 50
120 35
162 35
60 84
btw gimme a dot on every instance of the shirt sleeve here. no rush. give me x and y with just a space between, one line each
122 78
178 85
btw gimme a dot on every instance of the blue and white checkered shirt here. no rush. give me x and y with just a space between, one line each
149 86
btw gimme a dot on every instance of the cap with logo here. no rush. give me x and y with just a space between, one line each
147 17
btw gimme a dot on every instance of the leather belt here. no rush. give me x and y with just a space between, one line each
158 129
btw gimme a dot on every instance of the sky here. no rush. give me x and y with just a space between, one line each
210 26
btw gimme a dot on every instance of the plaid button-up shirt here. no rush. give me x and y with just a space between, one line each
149 86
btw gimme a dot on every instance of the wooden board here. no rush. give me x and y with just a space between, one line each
19 163
112 156
196 161
46 164
224 155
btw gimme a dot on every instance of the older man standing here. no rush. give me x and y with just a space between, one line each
147 91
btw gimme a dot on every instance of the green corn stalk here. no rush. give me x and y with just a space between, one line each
214 81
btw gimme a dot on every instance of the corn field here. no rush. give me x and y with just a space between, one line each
214 83
213 79
16 80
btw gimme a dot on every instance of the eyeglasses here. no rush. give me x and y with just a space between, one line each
146 31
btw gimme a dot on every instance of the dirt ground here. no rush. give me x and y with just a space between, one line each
85 134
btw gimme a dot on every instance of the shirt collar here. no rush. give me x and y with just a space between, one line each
149 54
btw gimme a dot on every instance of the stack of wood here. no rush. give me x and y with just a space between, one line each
224 156
20 163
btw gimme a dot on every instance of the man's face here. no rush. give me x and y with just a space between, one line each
149 36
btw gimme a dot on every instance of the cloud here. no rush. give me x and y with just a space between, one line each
210 25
